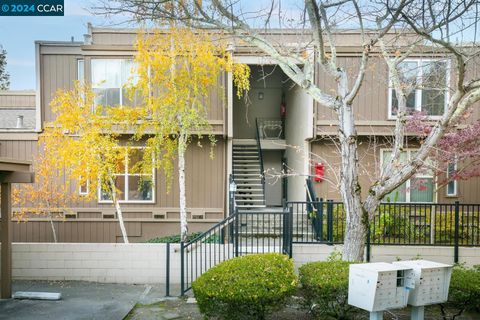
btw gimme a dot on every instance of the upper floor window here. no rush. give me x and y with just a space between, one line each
419 188
81 70
110 80
429 80
132 183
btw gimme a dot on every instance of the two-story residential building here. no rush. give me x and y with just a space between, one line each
277 129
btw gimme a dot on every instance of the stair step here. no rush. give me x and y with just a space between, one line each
250 201
240 185
253 195
252 165
239 190
246 161
247 173
250 206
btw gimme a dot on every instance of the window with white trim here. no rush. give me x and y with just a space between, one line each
419 188
84 188
451 183
110 81
429 78
133 184
81 70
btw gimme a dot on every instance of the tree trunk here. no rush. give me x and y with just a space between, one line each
54 232
182 143
356 219
119 212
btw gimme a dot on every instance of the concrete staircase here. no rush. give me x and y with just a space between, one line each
248 177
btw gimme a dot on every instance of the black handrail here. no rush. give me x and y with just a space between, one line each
239 234
260 154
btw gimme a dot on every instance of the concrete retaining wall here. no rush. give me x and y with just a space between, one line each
145 263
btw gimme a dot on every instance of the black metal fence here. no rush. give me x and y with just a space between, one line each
440 224
239 234
277 230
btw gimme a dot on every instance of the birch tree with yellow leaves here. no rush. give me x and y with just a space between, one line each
85 140
177 70
49 196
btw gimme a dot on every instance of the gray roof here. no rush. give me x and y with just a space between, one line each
8 118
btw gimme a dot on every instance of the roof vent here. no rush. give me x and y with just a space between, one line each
19 122
87 39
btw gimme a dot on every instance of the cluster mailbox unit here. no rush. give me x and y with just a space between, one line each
432 281
380 286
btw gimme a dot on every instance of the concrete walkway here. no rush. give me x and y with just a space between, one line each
80 300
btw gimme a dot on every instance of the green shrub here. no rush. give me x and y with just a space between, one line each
464 293
176 238
325 288
173 239
247 287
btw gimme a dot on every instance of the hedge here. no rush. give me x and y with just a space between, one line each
247 287
325 289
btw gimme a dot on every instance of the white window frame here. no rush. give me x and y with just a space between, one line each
121 98
80 192
408 182
455 182
126 175
418 92
81 70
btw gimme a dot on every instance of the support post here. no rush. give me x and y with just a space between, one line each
455 249
167 276
182 268
418 313
6 238
368 243
376 315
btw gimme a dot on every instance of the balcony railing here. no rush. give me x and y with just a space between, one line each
271 128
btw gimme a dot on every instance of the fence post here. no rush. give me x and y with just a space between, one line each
182 267
368 243
167 276
330 221
319 219
455 249
288 231
235 232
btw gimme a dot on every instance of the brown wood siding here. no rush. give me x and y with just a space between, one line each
205 177
99 231
369 166
371 102
17 99
205 201
58 72
18 149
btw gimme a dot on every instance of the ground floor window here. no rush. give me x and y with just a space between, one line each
452 183
419 188
132 182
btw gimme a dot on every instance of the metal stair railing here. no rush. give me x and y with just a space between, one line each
260 155
239 234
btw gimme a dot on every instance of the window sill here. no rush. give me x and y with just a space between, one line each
128 202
